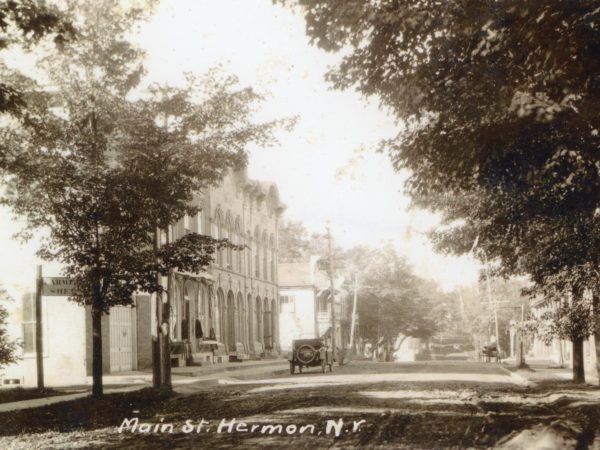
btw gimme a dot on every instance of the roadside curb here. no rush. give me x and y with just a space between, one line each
201 371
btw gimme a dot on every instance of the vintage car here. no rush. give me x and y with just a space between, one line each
310 353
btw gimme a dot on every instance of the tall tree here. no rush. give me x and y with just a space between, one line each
180 141
106 176
59 169
391 299
499 104
297 244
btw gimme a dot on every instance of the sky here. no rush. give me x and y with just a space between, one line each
326 168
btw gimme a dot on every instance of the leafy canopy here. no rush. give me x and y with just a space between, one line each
498 101
101 173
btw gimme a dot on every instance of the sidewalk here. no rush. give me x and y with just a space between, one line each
182 375
546 371
199 371
138 380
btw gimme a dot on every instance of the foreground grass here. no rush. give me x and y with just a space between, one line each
390 423
17 394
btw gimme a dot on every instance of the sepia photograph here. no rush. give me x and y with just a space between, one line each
300 224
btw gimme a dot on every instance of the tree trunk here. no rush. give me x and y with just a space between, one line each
167 385
596 313
156 354
155 361
519 360
97 389
578 368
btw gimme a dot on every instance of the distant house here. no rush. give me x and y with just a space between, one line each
305 303
559 351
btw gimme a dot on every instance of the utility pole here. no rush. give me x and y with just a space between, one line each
39 339
157 340
490 302
521 353
332 292
166 315
353 321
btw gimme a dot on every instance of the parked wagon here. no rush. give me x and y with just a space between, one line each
489 353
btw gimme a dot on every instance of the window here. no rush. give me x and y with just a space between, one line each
219 235
234 240
227 250
173 318
323 303
257 263
240 258
272 270
288 303
186 326
29 323
202 310
256 250
265 272
214 232
249 265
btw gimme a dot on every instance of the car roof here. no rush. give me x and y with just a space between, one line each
308 341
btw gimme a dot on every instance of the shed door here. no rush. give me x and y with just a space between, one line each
121 342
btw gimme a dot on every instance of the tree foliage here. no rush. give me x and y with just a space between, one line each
8 347
24 23
58 169
391 299
500 113
102 174
297 244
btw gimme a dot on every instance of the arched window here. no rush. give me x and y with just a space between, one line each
249 253
265 272
218 233
186 326
174 315
202 311
220 313
250 321
257 252
228 235
273 257
239 256
258 320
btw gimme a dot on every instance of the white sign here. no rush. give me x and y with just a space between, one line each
58 287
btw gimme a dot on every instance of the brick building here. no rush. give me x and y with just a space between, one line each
235 301
230 310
